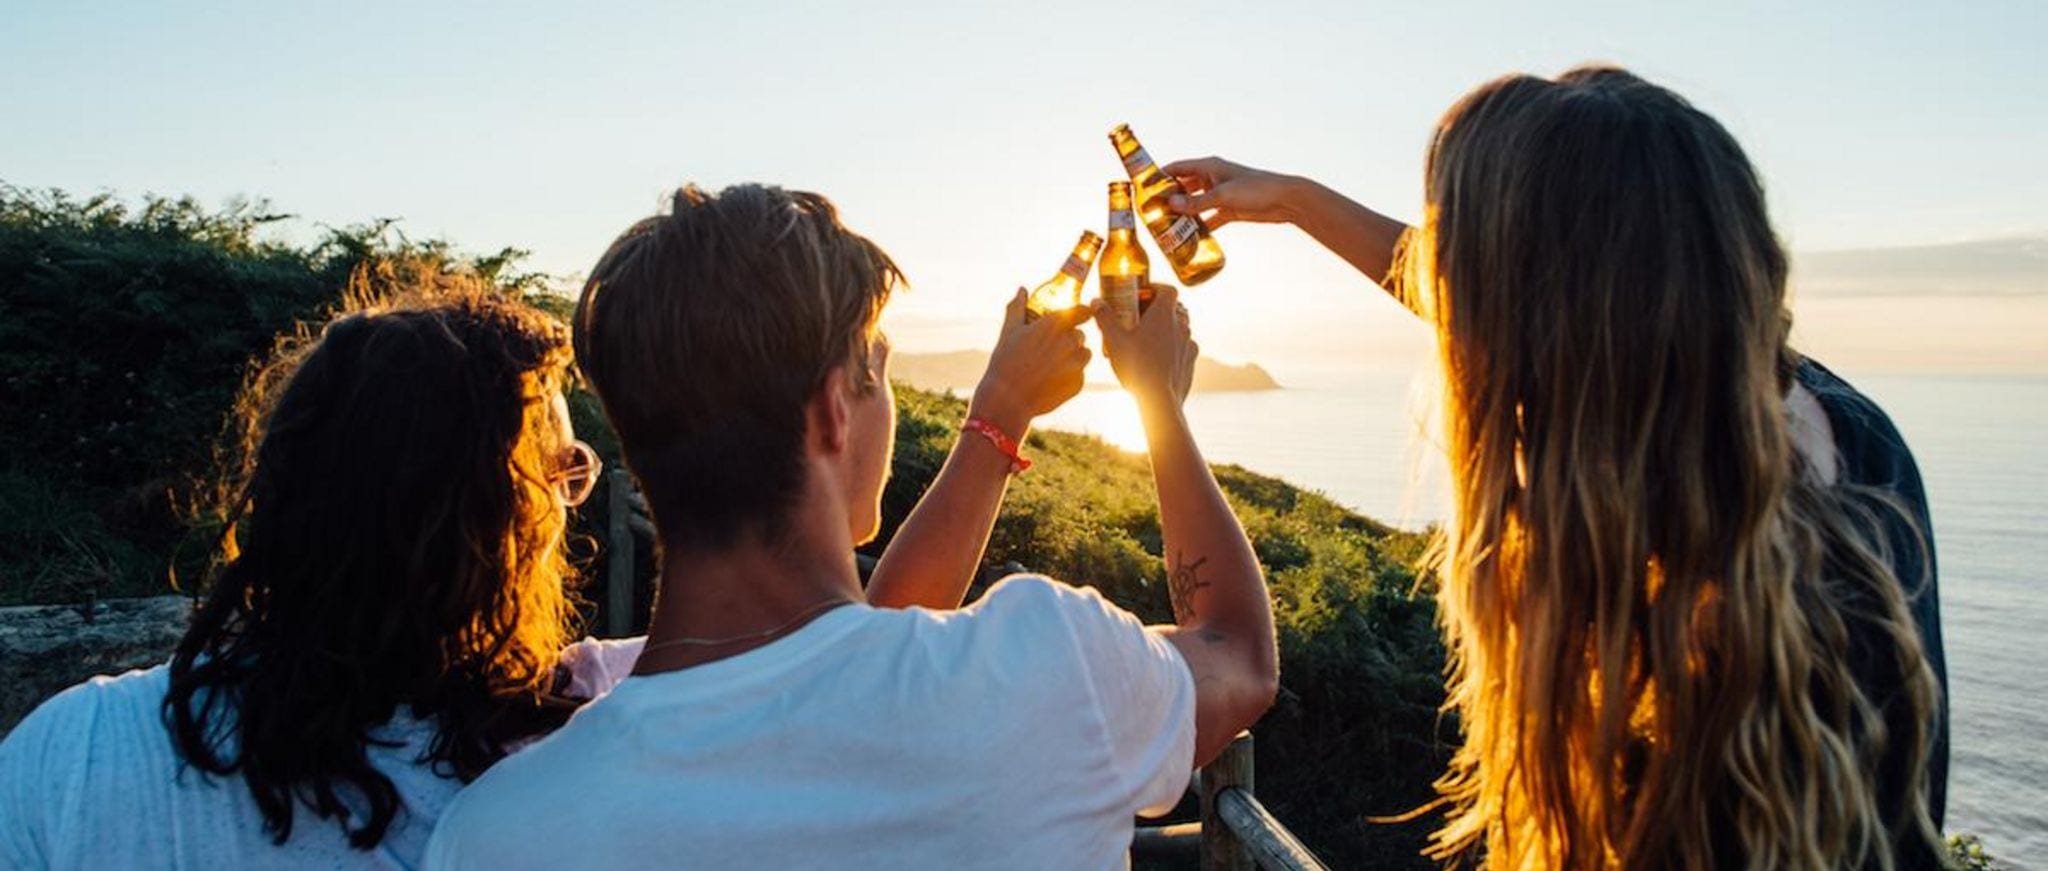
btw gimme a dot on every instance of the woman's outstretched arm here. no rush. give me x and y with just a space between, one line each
1222 192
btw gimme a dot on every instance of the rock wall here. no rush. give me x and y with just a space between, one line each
45 648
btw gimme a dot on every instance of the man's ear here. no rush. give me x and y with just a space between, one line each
829 414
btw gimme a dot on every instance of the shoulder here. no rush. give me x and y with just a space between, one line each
484 823
1038 593
1847 407
69 717
459 828
107 723
1022 601
1100 635
1872 450
1134 683
1065 631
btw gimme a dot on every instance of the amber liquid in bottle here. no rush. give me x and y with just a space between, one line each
1124 271
1193 253
1063 289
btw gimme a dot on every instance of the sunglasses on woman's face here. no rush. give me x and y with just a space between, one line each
578 474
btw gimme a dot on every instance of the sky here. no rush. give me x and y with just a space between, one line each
969 139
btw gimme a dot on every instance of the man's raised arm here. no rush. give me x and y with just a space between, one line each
1222 614
1035 367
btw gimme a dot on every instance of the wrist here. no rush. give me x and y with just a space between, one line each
1161 412
999 441
1299 199
994 405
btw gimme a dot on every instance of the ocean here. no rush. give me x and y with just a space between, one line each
1982 446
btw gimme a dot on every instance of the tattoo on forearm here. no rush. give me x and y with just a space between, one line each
1182 583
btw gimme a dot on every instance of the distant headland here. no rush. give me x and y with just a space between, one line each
961 370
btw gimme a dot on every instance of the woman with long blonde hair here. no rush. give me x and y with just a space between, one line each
1688 583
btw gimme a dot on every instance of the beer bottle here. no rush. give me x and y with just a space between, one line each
1063 289
1195 255
1125 273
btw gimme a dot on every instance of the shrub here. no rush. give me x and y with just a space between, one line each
124 336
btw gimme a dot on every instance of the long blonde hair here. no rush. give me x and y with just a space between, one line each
1651 598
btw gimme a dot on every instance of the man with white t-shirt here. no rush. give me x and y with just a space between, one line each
782 717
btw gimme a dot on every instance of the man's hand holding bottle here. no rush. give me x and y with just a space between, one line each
1037 365
1155 360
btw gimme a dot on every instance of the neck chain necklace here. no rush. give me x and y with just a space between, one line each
801 616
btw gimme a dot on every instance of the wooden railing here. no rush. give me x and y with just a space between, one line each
1236 833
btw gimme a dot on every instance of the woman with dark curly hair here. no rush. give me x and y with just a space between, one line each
390 613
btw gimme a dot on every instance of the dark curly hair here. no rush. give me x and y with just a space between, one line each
389 538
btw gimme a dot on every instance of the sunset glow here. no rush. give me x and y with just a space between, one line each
1900 149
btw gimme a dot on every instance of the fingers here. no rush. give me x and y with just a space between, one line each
1072 384
1164 295
1018 307
1206 171
1195 204
1211 201
1070 318
1104 315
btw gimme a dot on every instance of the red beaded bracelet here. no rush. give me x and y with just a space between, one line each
1000 439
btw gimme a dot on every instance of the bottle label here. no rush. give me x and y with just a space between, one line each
1182 231
1120 219
1075 268
1121 292
1136 161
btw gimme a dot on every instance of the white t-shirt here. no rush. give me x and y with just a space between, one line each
92 779
1022 732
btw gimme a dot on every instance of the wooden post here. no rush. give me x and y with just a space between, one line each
618 558
1221 850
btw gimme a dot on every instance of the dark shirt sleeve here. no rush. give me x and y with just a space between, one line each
1875 455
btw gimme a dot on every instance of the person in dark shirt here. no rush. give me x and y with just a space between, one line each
1873 455
1688 582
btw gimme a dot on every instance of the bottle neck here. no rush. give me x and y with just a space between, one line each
1122 224
1083 257
1136 161
1074 268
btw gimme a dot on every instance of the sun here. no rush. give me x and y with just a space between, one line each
1109 413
